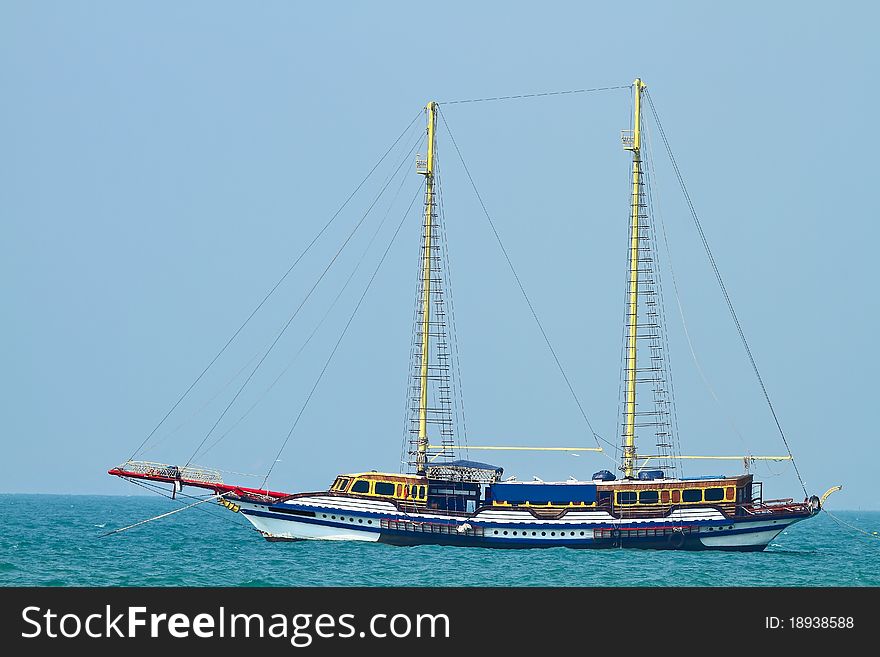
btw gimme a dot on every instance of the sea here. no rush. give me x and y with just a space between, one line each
56 540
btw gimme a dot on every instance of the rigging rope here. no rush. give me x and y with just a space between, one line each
458 397
680 306
673 445
275 287
723 287
317 326
535 95
158 490
198 411
341 336
853 527
300 306
596 436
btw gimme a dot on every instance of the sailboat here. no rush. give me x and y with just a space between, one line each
444 500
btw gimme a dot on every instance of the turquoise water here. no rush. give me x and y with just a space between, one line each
53 540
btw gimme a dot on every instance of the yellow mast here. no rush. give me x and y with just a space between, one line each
629 424
428 172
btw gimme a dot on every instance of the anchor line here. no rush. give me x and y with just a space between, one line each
163 515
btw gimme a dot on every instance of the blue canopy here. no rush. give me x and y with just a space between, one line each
517 493
462 463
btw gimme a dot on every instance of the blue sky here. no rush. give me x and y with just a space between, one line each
163 163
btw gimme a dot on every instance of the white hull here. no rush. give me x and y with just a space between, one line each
291 530
760 536
333 518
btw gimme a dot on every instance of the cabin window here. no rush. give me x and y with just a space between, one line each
714 494
676 496
626 497
341 483
649 497
421 492
664 496
692 495
360 486
728 493
384 488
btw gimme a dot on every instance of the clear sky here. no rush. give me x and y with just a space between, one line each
163 163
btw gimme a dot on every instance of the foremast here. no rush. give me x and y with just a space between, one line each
632 310
428 172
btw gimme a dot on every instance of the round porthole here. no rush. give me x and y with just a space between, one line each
552 533
543 533
505 532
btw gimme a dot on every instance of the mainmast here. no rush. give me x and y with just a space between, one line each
633 143
428 172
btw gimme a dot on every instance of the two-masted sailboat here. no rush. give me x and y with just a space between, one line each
448 501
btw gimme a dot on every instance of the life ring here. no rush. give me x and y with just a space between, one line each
675 539
615 538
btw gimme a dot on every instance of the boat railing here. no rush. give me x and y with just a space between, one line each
781 501
186 473
757 493
783 505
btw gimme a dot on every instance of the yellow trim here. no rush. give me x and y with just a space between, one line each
828 492
422 444
681 499
341 483
629 431
702 499
420 488
232 506
552 505
618 493
381 475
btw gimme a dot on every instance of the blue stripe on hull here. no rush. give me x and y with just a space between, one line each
675 541
364 527
691 543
